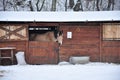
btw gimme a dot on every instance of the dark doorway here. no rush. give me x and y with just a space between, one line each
40 30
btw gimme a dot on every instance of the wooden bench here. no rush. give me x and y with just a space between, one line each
11 52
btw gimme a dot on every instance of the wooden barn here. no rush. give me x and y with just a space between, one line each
93 34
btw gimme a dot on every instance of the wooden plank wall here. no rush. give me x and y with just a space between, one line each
85 42
110 42
19 45
111 31
110 51
42 52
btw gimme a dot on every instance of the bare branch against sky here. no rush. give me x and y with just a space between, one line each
59 5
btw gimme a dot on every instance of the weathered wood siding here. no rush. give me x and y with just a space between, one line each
85 42
43 52
19 45
13 32
110 46
110 51
111 31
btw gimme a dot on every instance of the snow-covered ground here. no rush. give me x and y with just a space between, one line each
90 71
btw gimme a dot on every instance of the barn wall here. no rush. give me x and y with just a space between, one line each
17 35
85 41
110 49
19 45
13 35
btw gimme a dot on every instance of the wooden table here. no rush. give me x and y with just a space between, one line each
11 49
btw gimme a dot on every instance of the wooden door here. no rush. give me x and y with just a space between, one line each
43 52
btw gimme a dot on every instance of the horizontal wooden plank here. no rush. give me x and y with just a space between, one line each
80 46
65 42
79 51
111 43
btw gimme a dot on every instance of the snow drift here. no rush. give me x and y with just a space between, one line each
90 71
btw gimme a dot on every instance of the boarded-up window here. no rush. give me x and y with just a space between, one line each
13 32
111 32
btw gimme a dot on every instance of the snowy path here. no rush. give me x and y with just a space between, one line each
91 71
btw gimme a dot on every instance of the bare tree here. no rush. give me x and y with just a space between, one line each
97 5
71 3
94 5
39 8
4 5
30 5
14 5
88 3
58 5
53 8
78 6
101 1
113 4
110 4
66 5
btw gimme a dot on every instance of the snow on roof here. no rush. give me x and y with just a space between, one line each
60 16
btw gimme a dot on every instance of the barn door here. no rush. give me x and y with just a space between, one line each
13 32
43 52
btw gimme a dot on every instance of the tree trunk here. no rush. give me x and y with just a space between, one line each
94 5
37 5
87 4
101 1
110 4
42 5
78 6
113 3
66 5
97 5
71 3
53 5
31 7
15 6
4 6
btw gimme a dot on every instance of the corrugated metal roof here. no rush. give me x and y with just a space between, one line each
60 16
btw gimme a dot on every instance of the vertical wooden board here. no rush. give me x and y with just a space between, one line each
118 31
107 33
23 32
111 31
2 32
13 37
